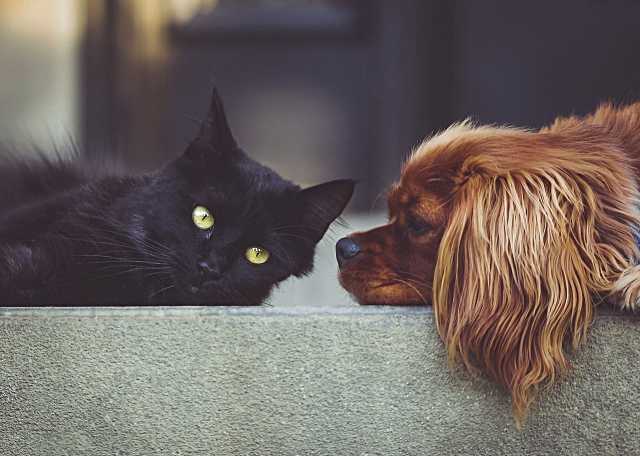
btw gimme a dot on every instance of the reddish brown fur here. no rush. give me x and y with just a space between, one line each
524 230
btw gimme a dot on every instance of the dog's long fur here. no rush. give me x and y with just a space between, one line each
527 232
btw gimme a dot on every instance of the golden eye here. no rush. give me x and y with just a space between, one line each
202 218
257 255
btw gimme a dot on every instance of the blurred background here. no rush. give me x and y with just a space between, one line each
316 89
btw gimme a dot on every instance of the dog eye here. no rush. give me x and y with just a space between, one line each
417 227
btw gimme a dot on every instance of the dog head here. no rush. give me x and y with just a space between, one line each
508 234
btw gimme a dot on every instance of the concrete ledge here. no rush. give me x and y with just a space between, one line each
287 381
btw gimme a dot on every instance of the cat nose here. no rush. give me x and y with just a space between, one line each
208 270
346 248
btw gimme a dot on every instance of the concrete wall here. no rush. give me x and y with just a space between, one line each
287 381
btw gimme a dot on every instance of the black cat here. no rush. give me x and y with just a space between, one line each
212 227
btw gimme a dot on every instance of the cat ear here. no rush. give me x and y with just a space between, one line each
215 140
322 204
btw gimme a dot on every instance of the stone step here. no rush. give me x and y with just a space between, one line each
290 381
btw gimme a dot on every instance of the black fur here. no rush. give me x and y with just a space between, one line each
69 237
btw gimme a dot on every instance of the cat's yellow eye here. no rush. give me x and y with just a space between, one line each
202 218
257 255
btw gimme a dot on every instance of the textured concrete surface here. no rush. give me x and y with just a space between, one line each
290 381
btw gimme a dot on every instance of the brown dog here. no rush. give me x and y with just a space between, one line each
513 236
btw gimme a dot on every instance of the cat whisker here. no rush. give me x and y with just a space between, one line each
157 275
121 260
161 290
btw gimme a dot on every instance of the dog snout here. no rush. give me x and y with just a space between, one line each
346 249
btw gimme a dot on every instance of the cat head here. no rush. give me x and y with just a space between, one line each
235 227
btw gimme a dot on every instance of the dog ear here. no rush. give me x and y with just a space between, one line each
525 248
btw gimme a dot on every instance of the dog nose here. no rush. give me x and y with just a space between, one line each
346 248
